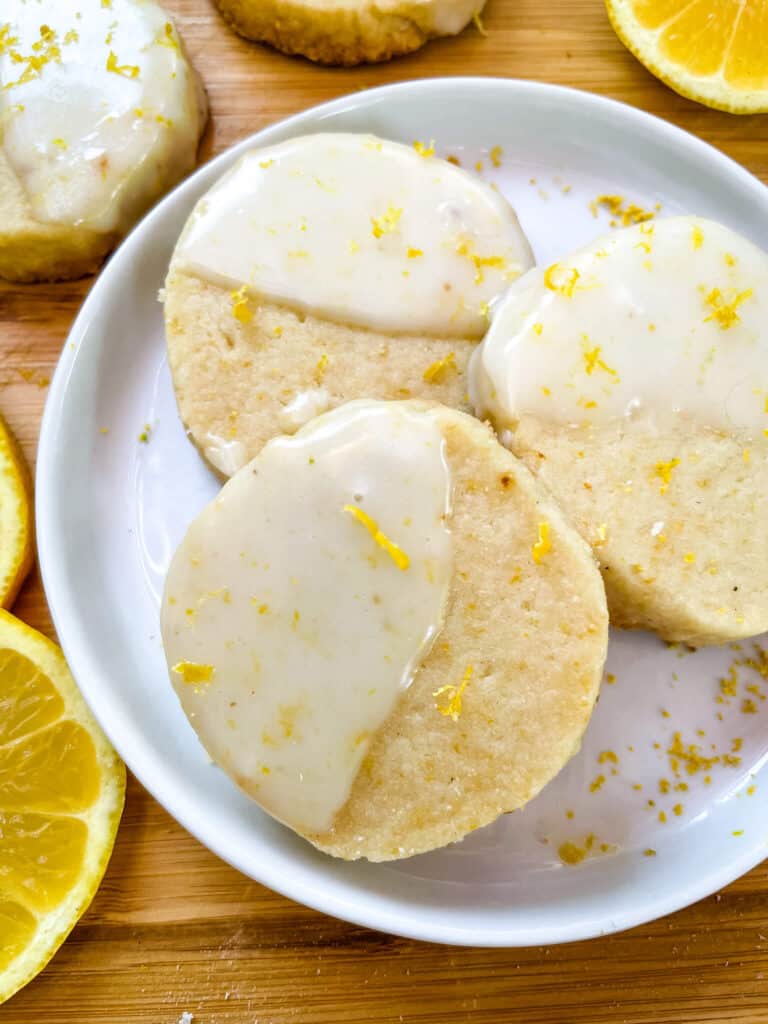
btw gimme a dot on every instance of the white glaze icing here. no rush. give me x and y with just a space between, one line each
302 408
448 16
361 231
99 108
225 454
667 317
309 628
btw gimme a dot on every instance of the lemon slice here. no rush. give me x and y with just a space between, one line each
16 547
15 517
61 794
713 51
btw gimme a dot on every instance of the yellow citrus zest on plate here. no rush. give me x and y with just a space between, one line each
386 223
61 795
697 236
543 545
625 212
438 370
724 308
16 544
397 555
425 151
451 708
193 671
712 51
663 470
241 310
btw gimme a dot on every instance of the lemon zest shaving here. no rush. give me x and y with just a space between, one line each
125 70
398 556
45 50
697 236
387 223
663 470
496 154
593 361
617 206
6 39
723 309
570 853
566 288
241 311
467 249
414 254
425 151
543 545
440 368
451 708
193 671
167 37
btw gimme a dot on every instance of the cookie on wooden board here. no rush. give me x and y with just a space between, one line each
101 113
348 32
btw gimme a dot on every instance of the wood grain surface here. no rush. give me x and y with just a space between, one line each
173 930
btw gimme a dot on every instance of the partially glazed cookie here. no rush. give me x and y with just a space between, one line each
100 114
348 31
329 268
632 378
385 631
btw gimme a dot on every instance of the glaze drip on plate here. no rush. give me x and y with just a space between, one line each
98 107
303 599
360 231
667 317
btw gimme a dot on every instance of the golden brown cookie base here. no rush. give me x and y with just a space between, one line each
535 635
676 518
342 36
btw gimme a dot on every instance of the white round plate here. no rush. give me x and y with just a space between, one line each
110 510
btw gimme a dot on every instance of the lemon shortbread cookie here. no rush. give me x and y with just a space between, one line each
328 268
100 113
348 31
384 630
633 379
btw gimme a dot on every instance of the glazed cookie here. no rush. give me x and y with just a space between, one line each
329 268
633 380
384 631
348 31
100 114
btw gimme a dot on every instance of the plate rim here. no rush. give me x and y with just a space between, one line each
368 911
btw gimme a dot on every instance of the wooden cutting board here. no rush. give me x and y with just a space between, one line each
173 930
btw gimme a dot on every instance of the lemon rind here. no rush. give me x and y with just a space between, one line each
711 91
102 817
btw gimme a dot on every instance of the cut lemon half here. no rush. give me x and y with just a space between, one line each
713 51
16 547
61 794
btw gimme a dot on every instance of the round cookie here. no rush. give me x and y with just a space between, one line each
328 268
632 378
385 631
348 32
100 114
